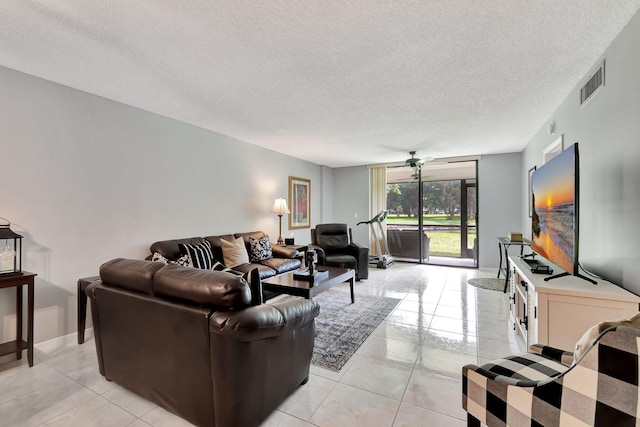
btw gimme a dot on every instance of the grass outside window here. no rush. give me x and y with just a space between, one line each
444 243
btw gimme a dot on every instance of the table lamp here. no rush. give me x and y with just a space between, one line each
280 207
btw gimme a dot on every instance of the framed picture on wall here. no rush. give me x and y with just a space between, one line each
531 192
299 202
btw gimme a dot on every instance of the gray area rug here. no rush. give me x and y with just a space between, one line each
342 327
487 283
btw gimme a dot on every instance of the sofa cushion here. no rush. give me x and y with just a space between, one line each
135 275
344 261
234 253
260 248
200 255
204 287
265 271
170 249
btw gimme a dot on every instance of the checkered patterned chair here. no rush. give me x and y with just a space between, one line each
541 388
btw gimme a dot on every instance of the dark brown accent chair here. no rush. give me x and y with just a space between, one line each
335 248
191 341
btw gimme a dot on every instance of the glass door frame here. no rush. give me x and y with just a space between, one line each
465 184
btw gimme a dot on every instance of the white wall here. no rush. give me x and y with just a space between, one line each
327 196
85 179
499 210
607 129
351 200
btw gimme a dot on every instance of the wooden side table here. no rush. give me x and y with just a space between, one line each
82 305
16 346
503 244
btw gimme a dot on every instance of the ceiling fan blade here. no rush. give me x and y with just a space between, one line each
426 160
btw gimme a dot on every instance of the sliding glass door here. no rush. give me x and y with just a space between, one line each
433 214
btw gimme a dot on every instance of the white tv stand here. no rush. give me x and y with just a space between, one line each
558 312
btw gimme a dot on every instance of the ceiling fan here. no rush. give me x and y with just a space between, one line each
415 162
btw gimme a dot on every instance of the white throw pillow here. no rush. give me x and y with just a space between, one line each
594 332
234 253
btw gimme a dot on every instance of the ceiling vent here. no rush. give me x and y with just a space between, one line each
595 82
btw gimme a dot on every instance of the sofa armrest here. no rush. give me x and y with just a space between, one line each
283 252
361 253
359 248
562 356
263 321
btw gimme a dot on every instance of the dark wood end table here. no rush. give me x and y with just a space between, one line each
82 305
16 346
287 284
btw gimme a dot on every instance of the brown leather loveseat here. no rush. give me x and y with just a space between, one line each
190 341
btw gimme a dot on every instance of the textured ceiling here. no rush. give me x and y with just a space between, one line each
338 83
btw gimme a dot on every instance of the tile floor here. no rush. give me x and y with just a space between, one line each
407 373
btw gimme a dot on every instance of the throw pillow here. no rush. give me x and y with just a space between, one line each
157 257
183 260
260 248
200 255
234 253
218 266
590 336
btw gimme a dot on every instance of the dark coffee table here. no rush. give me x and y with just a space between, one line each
287 284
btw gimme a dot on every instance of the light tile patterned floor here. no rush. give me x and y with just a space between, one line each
408 373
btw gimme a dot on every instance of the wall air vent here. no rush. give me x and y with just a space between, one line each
595 82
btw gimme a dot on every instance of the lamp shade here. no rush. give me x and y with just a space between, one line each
280 206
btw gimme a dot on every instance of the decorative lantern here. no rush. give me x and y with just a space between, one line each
10 249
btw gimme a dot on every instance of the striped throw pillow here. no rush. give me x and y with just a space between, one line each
200 255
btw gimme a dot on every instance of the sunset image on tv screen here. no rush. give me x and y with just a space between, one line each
553 216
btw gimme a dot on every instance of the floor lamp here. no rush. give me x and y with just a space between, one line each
280 207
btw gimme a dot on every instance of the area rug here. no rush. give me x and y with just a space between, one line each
342 327
488 283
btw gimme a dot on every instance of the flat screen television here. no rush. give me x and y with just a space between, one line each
554 222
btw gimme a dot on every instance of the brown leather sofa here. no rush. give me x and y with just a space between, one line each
190 341
284 259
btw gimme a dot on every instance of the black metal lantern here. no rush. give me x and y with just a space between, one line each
10 249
